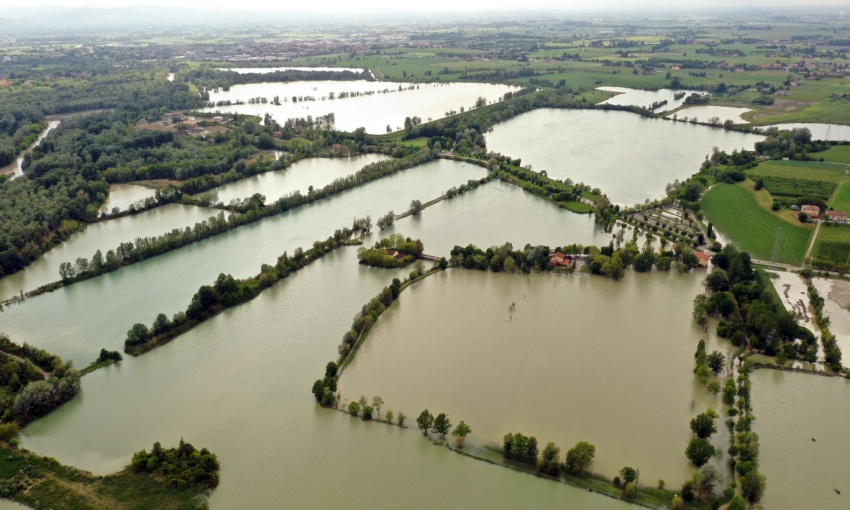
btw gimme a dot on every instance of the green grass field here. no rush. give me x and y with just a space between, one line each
841 200
737 215
836 153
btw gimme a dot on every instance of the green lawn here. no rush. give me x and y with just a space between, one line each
836 153
841 200
737 215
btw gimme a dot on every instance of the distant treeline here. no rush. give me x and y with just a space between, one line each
214 78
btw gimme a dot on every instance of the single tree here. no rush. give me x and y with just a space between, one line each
699 451
442 425
354 408
630 490
579 457
367 412
389 416
549 460
425 421
678 503
753 485
377 403
628 474
703 424
737 503
363 401
705 480
415 207
401 418
460 432
716 361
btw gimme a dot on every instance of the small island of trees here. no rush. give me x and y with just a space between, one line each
390 252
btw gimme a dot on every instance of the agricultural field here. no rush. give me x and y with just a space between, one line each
841 200
789 180
833 244
737 215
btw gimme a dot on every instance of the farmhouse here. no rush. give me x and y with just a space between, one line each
395 254
812 211
703 258
836 216
560 260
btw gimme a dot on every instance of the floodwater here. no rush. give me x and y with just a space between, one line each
578 358
839 317
16 168
801 422
316 172
104 235
445 224
374 112
794 296
645 98
705 113
61 321
831 132
267 70
122 196
239 384
629 157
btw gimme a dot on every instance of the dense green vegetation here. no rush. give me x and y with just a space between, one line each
179 467
33 382
211 77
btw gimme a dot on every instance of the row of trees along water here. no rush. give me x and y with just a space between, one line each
33 382
253 210
227 292
606 261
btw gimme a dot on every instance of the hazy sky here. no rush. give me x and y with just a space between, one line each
435 5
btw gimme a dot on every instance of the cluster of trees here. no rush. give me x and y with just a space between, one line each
795 143
378 256
502 258
442 426
700 450
226 292
749 310
181 467
831 350
18 130
463 188
745 448
524 449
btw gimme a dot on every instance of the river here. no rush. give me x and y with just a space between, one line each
387 106
629 157
578 358
16 169
805 454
